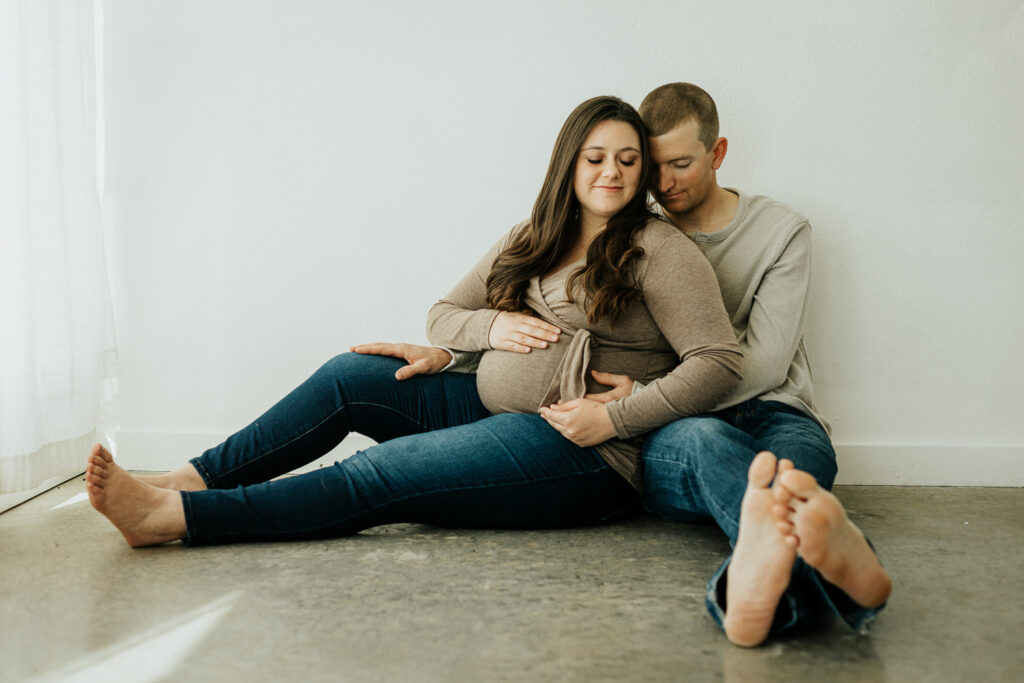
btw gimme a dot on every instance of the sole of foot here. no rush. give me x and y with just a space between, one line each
761 562
145 515
815 525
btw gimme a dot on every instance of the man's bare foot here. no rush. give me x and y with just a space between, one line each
761 561
813 522
185 478
144 514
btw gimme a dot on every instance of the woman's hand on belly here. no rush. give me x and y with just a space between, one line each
582 421
520 332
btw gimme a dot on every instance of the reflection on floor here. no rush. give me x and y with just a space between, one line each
416 603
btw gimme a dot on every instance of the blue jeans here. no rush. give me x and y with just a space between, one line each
442 460
696 469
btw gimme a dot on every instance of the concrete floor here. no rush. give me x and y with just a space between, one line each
416 603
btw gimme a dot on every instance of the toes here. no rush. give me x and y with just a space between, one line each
782 495
781 513
762 470
97 466
99 452
801 484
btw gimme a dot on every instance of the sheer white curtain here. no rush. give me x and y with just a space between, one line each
57 342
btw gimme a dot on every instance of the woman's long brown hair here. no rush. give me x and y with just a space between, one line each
606 278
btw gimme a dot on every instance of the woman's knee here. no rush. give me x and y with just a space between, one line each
345 363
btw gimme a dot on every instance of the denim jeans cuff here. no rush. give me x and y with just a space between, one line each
716 605
787 613
203 473
857 617
186 504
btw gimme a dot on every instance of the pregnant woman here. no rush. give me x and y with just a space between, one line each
610 287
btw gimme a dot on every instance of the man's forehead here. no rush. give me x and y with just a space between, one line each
678 142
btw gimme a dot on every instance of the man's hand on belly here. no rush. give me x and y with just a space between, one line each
622 386
582 421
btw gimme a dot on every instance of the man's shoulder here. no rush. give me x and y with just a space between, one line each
769 215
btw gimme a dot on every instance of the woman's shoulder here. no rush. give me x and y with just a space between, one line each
519 229
510 237
660 235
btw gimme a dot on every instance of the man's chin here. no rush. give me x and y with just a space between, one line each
674 205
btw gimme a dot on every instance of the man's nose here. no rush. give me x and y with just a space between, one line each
665 182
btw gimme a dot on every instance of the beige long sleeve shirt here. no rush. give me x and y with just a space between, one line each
677 340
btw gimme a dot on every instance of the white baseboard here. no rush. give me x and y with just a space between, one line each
931 465
858 464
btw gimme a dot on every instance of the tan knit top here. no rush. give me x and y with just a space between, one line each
677 340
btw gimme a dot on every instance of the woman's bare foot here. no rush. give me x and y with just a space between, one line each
144 514
185 478
813 522
761 562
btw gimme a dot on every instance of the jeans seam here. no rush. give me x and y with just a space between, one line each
711 502
602 468
313 428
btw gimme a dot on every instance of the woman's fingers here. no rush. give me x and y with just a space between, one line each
520 332
558 423
537 328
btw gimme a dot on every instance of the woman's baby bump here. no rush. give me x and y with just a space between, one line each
510 382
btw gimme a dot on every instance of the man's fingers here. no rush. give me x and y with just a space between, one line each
377 349
609 379
412 369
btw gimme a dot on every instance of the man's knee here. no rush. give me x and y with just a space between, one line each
801 440
684 440
676 457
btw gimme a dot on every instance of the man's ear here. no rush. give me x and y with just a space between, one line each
719 150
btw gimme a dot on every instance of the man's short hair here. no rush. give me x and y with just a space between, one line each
669 105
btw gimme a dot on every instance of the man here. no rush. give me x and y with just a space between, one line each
796 554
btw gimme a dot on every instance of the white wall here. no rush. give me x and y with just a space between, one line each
288 178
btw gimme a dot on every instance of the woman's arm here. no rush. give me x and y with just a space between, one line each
682 295
462 321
